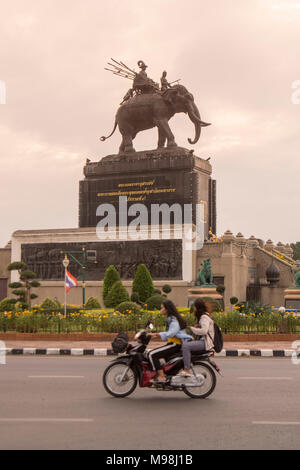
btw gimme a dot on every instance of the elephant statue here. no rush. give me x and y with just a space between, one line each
147 110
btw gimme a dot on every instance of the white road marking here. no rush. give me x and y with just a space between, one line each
284 423
266 378
46 420
56 376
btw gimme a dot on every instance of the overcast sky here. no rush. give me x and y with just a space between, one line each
238 58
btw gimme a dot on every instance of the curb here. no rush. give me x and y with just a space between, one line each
109 352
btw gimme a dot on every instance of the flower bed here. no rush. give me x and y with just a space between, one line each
110 321
266 322
92 321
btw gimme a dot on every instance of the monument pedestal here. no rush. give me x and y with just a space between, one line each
199 292
149 177
292 298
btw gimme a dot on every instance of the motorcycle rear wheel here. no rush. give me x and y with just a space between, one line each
209 384
116 383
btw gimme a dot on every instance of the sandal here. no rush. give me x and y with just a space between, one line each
183 374
161 381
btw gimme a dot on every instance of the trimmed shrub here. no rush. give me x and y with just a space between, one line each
213 304
92 303
15 285
154 302
234 300
23 289
128 308
157 291
21 305
7 304
20 293
135 297
111 276
167 289
116 295
58 304
142 283
48 304
220 289
17 266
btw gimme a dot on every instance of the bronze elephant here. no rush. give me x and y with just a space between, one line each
148 110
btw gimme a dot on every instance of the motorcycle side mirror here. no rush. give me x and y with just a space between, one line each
149 325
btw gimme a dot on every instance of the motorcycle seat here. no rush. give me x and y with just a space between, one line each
209 352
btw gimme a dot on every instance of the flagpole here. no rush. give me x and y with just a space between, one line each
66 264
65 303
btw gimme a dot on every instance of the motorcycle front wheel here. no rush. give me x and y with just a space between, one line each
204 371
119 379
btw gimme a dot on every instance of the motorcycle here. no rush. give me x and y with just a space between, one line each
121 377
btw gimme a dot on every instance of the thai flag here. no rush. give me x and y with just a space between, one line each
70 281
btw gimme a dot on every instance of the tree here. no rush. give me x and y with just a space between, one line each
296 250
142 283
116 295
111 276
23 288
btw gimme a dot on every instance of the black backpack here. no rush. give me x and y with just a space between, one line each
120 343
218 338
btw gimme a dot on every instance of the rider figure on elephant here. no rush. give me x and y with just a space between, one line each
143 84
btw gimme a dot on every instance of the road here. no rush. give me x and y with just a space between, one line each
59 403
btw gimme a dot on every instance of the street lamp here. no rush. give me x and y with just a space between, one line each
81 263
65 263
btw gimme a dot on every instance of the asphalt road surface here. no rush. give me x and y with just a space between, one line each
60 403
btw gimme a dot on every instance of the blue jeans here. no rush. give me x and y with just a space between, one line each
191 346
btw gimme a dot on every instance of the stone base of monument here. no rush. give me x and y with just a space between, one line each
203 291
292 298
169 176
